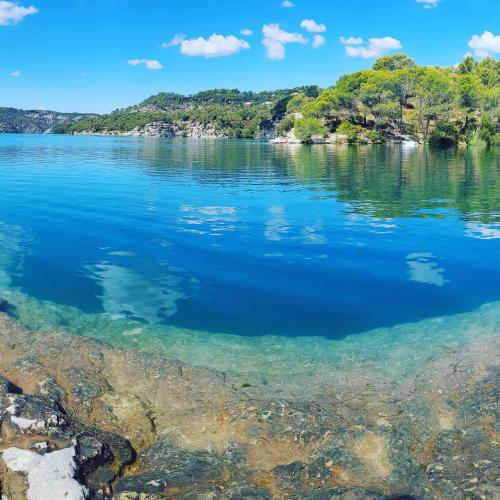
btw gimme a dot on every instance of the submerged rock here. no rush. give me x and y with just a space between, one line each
163 466
139 426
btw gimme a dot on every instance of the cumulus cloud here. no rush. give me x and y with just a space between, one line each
318 41
246 32
352 40
214 46
287 4
16 73
312 26
177 40
429 4
485 45
356 47
12 13
276 38
149 63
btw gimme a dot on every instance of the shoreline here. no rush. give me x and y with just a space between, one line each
196 431
333 139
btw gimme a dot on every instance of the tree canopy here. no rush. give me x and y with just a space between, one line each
396 98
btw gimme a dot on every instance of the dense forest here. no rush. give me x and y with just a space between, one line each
395 100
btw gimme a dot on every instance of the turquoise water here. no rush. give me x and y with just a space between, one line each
236 254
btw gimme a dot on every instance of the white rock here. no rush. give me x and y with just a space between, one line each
26 424
49 476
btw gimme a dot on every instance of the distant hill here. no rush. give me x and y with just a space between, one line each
19 121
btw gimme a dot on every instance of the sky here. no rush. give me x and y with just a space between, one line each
100 55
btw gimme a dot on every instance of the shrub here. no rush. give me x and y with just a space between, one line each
285 125
444 135
306 128
375 137
350 130
486 131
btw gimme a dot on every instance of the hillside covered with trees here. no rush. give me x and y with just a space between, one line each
394 100
217 113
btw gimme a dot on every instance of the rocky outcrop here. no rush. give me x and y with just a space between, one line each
166 130
129 425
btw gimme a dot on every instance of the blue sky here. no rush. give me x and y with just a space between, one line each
99 55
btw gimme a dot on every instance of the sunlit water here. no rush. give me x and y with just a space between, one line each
249 256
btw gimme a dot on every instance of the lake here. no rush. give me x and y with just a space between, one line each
250 256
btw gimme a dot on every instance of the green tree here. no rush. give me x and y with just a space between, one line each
445 134
312 91
433 98
297 102
469 96
285 125
488 71
394 62
403 84
486 131
307 128
351 131
467 65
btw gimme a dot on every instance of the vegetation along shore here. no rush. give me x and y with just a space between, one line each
394 101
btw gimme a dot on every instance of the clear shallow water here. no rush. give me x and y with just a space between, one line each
234 254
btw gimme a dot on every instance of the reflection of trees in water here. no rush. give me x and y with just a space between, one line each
381 181
391 182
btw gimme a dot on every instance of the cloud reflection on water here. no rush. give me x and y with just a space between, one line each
424 269
483 231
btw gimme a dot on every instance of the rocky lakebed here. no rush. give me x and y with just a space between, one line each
81 420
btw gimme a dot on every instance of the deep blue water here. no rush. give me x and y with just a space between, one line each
249 238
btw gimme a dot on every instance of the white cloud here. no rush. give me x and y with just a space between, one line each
16 73
214 46
429 4
287 4
149 63
275 40
177 40
318 41
352 40
12 13
376 47
485 45
312 26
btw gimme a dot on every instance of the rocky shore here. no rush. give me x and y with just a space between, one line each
82 420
